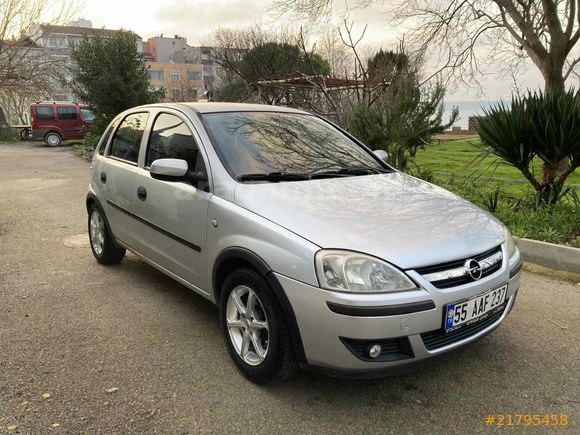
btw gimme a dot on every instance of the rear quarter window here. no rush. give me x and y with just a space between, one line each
127 140
105 140
44 113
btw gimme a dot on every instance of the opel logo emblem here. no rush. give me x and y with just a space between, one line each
473 268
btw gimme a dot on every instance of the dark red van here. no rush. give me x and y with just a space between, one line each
54 122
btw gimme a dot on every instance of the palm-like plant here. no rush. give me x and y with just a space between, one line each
546 126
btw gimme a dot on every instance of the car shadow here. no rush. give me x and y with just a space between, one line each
418 387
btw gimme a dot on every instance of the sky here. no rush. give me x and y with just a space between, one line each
196 19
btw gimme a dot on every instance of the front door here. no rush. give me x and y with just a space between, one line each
173 215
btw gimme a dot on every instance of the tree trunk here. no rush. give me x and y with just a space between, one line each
401 162
554 79
4 128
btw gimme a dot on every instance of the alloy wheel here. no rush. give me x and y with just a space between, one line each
97 232
247 325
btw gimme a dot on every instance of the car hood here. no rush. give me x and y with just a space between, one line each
396 217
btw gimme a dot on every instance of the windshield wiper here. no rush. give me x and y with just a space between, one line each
274 176
347 172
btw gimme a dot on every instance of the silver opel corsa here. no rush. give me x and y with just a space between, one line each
317 252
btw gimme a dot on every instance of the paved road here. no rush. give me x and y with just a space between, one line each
74 329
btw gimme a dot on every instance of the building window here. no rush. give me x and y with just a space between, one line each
153 74
174 75
207 71
56 41
193 75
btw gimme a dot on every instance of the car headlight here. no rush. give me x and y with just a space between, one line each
358 273
511 245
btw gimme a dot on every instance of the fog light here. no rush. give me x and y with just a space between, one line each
375 350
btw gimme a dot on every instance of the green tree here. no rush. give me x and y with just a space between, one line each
110 75
385 66
275 60
405 116
234 90
278 61
263 60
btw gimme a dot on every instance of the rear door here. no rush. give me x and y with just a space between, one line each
43 120
173 215
118 175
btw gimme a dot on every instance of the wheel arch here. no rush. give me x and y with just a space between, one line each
55 131
93 199
235 258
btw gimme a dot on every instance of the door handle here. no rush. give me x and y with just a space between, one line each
141 193
103 177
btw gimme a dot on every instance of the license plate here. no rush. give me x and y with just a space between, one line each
472 310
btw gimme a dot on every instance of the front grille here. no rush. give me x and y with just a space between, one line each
393 348
439 338
453 281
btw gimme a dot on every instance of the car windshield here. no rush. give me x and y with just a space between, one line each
285 147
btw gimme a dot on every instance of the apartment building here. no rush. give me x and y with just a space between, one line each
181 81
56 43
179 67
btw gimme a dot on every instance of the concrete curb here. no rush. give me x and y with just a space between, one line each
549 255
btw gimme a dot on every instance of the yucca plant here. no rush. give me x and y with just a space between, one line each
546 126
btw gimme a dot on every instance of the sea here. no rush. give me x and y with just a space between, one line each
467 108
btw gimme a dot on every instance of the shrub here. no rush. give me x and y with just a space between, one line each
546 126
559 223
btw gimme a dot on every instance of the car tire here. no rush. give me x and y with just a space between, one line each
25 134
102 244
52 139
268 357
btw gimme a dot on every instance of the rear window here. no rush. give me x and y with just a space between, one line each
67 113
127 140
44 113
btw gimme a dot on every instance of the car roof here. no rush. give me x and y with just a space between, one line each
202 108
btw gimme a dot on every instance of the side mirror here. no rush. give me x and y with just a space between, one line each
175 170
169 169
381 154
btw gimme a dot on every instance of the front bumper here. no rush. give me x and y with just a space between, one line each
323 330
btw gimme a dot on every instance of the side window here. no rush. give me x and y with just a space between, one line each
105 139
172 139
127 139
68 113
44 113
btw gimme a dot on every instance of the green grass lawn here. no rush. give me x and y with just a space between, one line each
462 159
458 166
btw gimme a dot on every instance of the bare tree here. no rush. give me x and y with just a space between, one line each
24 66
182 90
466 36
16 102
